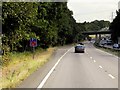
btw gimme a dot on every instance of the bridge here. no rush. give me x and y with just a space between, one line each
97 33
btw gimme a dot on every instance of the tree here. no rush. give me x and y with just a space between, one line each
115 28
51 23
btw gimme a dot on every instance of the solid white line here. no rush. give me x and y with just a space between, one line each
100 66
111 76
50 72
107 53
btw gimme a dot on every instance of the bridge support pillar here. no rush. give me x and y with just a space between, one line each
96 38
99 38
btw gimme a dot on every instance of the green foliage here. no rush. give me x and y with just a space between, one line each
96 25
90 26
50 22
115 28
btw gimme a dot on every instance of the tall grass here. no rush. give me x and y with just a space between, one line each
22 65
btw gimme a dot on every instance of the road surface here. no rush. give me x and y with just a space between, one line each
92 69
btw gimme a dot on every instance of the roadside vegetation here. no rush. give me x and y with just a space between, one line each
23 65
115 28
51 23
109 50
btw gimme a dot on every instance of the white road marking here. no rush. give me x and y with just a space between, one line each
90 57
94 60
100 66
107 53
50 72
111 76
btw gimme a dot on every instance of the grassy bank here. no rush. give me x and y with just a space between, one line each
109 50
22 65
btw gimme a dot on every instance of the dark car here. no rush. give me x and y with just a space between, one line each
79 48
116 45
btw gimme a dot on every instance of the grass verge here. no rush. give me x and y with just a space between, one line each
109 50
22 65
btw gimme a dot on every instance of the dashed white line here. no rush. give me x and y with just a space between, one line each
100 66
94 60
90 57
111 76
50 72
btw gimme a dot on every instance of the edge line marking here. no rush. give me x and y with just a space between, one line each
50 72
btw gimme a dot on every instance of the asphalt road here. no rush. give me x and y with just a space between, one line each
92 69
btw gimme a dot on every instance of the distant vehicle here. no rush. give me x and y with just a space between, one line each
80 48
109 42
92 41
103 42
115 45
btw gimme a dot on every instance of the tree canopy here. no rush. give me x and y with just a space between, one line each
95 25
115 28
50 22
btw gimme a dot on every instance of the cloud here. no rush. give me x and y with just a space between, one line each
84 10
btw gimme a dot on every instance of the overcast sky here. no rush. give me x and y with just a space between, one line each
90 10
